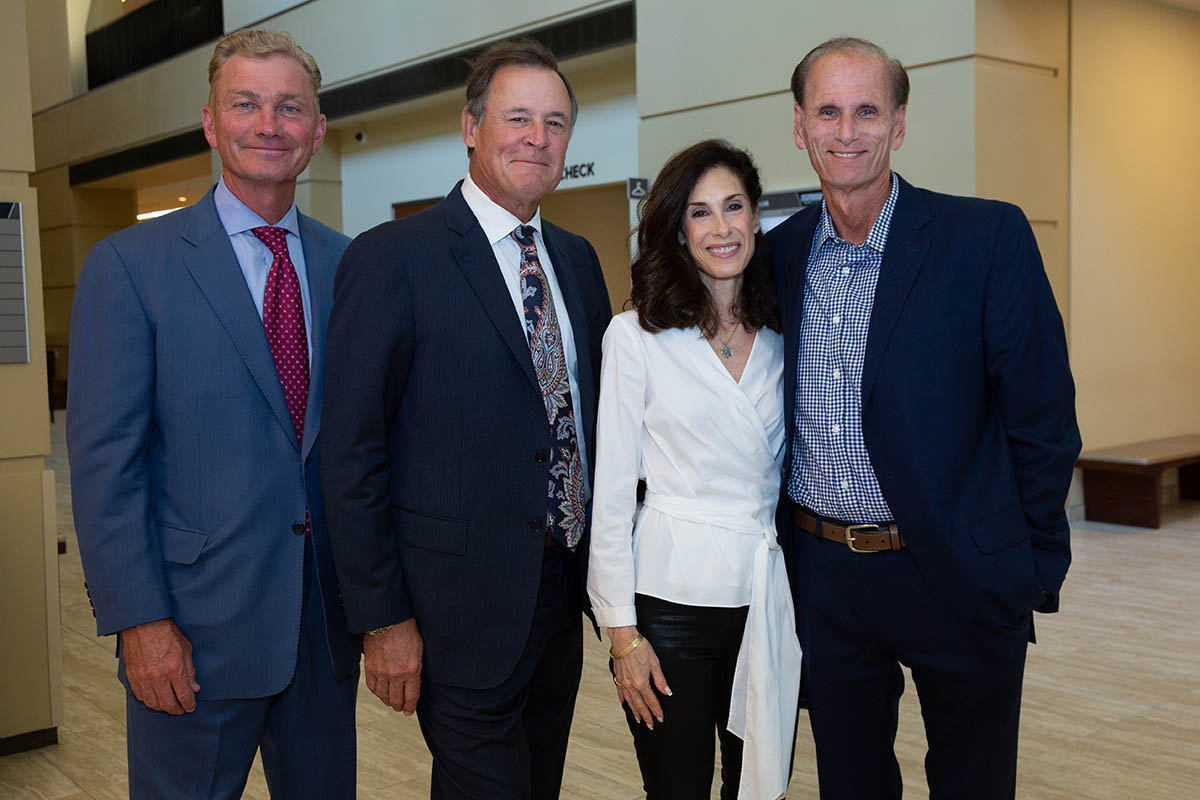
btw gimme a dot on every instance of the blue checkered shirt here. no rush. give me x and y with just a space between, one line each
831 470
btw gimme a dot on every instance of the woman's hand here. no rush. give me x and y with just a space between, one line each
634 673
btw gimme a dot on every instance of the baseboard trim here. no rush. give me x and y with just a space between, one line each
28 741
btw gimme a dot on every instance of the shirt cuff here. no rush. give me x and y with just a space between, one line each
615 616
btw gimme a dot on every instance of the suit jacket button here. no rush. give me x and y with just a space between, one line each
298 528
537 524
540 456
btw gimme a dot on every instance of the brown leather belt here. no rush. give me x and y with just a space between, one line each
859 538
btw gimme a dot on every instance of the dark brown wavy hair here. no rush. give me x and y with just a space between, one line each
667 290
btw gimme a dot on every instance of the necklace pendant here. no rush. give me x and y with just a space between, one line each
726 352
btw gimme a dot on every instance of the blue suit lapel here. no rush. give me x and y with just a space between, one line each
471 249
792 302
907 245
214 267
320 262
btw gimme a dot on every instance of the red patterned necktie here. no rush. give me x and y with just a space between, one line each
283 320
566 513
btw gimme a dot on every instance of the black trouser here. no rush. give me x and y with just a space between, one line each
697 647
509 742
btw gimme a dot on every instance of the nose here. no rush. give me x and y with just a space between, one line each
267 122
536 136
720 225
845 129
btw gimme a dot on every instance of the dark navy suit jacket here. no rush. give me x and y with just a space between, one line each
435 437
968 406
186 476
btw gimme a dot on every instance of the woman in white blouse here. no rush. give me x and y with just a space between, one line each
691 584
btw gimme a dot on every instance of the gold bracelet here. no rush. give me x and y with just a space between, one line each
627 649
377 631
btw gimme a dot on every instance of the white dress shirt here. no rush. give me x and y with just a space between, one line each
254 257
498 223
709 449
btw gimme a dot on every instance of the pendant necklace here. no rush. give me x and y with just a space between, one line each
726 351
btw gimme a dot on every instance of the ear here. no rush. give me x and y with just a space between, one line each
470 128
209 122
682 238
798 128
898 127
319 135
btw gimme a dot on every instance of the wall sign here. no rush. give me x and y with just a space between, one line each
14 326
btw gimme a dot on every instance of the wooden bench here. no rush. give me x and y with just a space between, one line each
1124 484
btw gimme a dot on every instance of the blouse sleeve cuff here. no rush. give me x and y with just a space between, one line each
615 616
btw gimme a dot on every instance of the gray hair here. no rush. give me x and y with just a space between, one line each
897 76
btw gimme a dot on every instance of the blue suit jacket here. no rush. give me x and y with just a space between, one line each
435 437
968 405
186 475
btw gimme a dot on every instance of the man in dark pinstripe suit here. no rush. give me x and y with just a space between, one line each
457 393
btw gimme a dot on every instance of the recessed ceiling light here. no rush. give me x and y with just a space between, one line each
181 199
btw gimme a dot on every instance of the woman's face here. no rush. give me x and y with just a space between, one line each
719 224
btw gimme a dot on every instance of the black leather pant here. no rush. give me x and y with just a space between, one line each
697 647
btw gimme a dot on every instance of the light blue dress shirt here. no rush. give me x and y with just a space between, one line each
254 257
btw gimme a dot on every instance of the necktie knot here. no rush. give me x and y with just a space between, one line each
523 235
274 238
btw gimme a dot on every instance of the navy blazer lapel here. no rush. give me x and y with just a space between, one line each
564 271
907 245
792 300
214 267
475 258
320 262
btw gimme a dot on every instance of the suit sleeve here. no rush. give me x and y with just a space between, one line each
110 401
1031 384
368 351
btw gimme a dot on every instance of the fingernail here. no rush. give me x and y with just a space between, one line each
669 693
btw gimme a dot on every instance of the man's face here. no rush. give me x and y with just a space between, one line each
263 120
848 123
521 142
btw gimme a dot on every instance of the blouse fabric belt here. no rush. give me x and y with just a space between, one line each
766 680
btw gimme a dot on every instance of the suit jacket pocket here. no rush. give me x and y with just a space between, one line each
180 545
431 531
999 529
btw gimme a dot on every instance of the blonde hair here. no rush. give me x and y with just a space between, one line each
261 43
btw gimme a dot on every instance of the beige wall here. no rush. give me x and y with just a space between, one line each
30 692
987 115
1135 166
600 214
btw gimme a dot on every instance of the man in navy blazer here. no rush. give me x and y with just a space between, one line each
456 460
194 408
931 445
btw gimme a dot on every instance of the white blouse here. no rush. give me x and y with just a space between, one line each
709 449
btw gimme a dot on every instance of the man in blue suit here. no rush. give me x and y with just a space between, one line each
931 446
460 407
197 345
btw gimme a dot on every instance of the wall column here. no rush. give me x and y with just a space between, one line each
31 692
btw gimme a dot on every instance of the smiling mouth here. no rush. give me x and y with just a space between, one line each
724 249
855 154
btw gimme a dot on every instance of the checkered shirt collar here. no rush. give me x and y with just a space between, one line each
877 238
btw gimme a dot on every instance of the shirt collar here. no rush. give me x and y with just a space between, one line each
497 222
237 217
877 238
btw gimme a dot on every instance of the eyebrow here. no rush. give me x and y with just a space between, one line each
524 110
289 97
726 200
